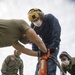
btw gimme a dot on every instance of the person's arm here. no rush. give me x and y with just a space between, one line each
31 34
24 50
4 66
56 32
21 68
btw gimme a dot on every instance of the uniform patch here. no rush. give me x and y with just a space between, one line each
12 58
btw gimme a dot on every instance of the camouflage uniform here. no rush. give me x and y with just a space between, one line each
11 65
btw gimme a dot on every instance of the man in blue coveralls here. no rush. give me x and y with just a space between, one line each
48 28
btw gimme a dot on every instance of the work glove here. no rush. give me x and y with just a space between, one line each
40 53
44 55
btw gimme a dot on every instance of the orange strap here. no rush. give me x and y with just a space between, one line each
42 68
43 64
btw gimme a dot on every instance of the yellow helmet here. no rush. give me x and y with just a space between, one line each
34 14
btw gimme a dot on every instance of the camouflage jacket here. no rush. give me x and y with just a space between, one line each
12 65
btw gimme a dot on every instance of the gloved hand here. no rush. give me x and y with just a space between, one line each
46 55
40 53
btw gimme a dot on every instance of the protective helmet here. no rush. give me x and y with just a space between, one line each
34 14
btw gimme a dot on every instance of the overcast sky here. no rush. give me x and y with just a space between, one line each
64 10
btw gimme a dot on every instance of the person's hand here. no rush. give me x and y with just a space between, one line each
40 53
46 55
